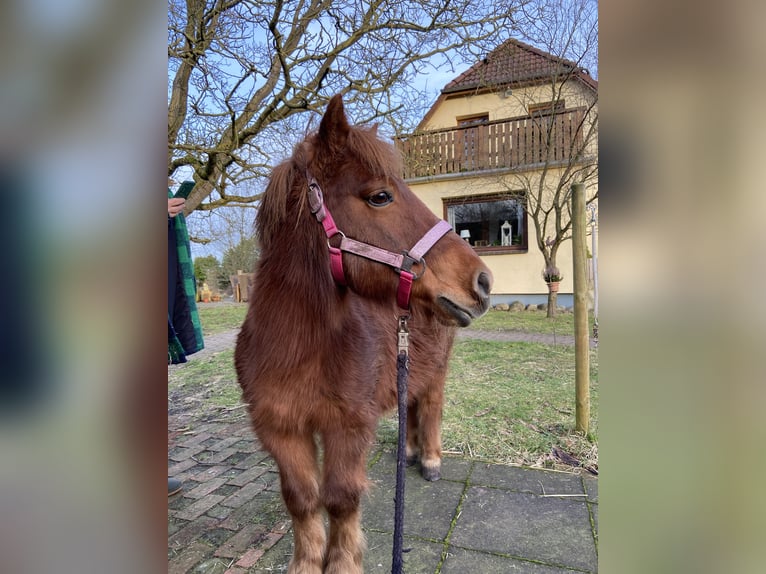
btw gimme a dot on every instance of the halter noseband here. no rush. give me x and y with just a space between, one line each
401 262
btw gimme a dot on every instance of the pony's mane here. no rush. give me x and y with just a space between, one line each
379 156
285 197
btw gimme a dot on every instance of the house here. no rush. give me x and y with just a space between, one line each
505 137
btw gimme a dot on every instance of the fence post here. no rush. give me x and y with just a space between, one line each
582 342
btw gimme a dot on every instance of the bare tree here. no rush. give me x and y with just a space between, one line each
243 73
568 30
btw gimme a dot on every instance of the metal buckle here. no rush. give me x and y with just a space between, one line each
404 335
407 264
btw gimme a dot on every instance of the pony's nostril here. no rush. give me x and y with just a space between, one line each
483 284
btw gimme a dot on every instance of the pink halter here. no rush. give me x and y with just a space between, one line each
401 262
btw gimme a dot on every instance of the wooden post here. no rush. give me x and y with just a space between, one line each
582 342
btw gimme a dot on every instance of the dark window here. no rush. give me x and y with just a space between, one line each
547 108
490 223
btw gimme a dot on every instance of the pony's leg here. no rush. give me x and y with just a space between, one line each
296 458
429 419
345 480
412 448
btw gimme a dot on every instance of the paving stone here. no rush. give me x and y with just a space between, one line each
461 561
181 453
210 566
199 507
243 495
237 544
205 488
210 472
216 536
549 530
217 457
422 558
248 476
453 468
428 506
219 512
246 445
250 558
192 440
591 488
266 508
276 558
175 525
185 561
251 460
526 480
224 443
191 531
182 466
456 469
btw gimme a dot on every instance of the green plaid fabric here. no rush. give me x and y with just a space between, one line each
176 352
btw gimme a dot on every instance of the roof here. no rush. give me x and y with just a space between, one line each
515 63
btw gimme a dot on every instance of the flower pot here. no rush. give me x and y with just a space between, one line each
553 286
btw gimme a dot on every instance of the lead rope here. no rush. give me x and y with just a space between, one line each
402 376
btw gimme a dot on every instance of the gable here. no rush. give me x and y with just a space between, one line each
515 64
511 66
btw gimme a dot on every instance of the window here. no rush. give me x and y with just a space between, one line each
547 108
490 223
466 121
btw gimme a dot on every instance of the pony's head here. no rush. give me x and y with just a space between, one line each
360 178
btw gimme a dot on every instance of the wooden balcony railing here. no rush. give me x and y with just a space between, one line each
511 143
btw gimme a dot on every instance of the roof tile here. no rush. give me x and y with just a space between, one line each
514 63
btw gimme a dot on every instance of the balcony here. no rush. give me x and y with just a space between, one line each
514 143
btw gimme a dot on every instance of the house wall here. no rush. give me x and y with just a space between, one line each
499 106
517 275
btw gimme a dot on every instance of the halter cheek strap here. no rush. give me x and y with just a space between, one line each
401 262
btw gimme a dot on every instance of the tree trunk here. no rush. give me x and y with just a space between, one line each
552 302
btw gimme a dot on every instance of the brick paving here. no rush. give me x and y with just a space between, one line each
482 518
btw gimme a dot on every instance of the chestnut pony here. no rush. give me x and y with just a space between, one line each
317 359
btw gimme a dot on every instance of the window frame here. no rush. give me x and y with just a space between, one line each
487 198
547 108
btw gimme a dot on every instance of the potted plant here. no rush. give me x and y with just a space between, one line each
552 277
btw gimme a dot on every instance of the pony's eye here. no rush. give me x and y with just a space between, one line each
380 198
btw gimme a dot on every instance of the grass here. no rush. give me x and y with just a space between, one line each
528 322
505 402
512 403
220 317
216 318
204 381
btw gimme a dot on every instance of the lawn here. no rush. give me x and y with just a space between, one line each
218 317
528 322
505 402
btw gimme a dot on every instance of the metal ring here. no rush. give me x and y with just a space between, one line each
415 276
342 237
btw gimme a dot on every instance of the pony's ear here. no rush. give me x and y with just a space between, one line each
334 128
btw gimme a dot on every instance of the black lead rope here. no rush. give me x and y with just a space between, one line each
402 376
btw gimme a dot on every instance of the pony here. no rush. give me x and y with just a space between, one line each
316 356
